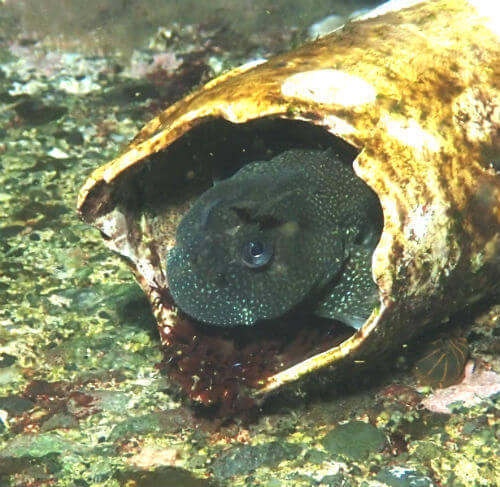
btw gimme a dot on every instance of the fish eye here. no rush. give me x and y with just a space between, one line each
257 253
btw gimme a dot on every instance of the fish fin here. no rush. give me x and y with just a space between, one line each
353 296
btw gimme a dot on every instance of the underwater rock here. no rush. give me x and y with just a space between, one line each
60 421
36 112
163 476
398 476
476 386
15 405
356 440
337 480
243 459
7 360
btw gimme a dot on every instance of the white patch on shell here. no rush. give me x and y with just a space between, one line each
229 114
409 132
114 225
419 221
477 111
329 86
325 26
390 6
489 9
338 126
251 64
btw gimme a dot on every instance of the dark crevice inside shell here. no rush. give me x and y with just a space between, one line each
212 365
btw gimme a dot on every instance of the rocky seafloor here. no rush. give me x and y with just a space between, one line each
83 400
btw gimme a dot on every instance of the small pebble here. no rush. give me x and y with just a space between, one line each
57 153
397 476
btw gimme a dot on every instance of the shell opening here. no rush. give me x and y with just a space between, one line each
213 364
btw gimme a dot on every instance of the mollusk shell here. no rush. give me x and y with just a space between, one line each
417 93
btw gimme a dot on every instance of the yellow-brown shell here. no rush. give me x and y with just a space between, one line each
417 93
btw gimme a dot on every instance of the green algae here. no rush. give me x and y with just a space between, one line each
355 440
60 421
38 446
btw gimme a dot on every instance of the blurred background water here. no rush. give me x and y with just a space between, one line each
123 25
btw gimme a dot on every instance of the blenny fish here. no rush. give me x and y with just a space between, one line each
295 232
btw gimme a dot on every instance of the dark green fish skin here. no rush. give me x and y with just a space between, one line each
298 229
